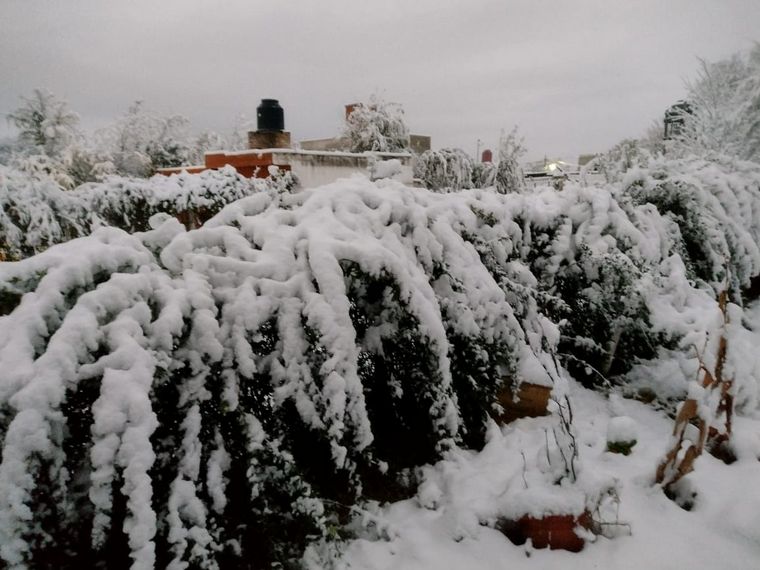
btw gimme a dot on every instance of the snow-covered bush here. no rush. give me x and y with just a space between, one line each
377 126
87 165
327 340
39 166
590 261
129 203
221 394
35 212
621 435
445 169
601 254
714 207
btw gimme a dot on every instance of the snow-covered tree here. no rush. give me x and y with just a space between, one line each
46 124
7 149
483 174
238 137
84 164
444 169
377 126
142 141
725 108
621 158
509 176
50 143
205 142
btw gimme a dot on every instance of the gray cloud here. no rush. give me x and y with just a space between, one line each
575 76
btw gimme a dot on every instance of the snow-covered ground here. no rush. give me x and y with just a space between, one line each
721 531
449 524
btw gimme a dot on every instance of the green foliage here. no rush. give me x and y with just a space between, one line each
606 319
622 447
680 202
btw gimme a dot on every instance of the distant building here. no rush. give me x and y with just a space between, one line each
584 159
549 167
555 171
335 143
315 163
311 167
419 143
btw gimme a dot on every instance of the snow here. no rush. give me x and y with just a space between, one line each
385 169
621 429
199 392
126 311
449 525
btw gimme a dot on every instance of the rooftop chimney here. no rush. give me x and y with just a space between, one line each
270 125
270 116
350 109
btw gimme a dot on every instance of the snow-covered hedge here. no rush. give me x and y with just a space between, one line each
200 389
226 393
35 212
715 208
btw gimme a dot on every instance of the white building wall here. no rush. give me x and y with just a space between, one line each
314 168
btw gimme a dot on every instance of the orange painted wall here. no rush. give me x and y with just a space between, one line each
249 165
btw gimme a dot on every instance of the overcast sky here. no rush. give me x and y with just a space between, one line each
574 75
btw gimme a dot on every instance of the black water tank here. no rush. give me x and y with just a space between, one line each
270 116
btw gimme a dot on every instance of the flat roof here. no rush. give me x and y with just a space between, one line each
262 151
